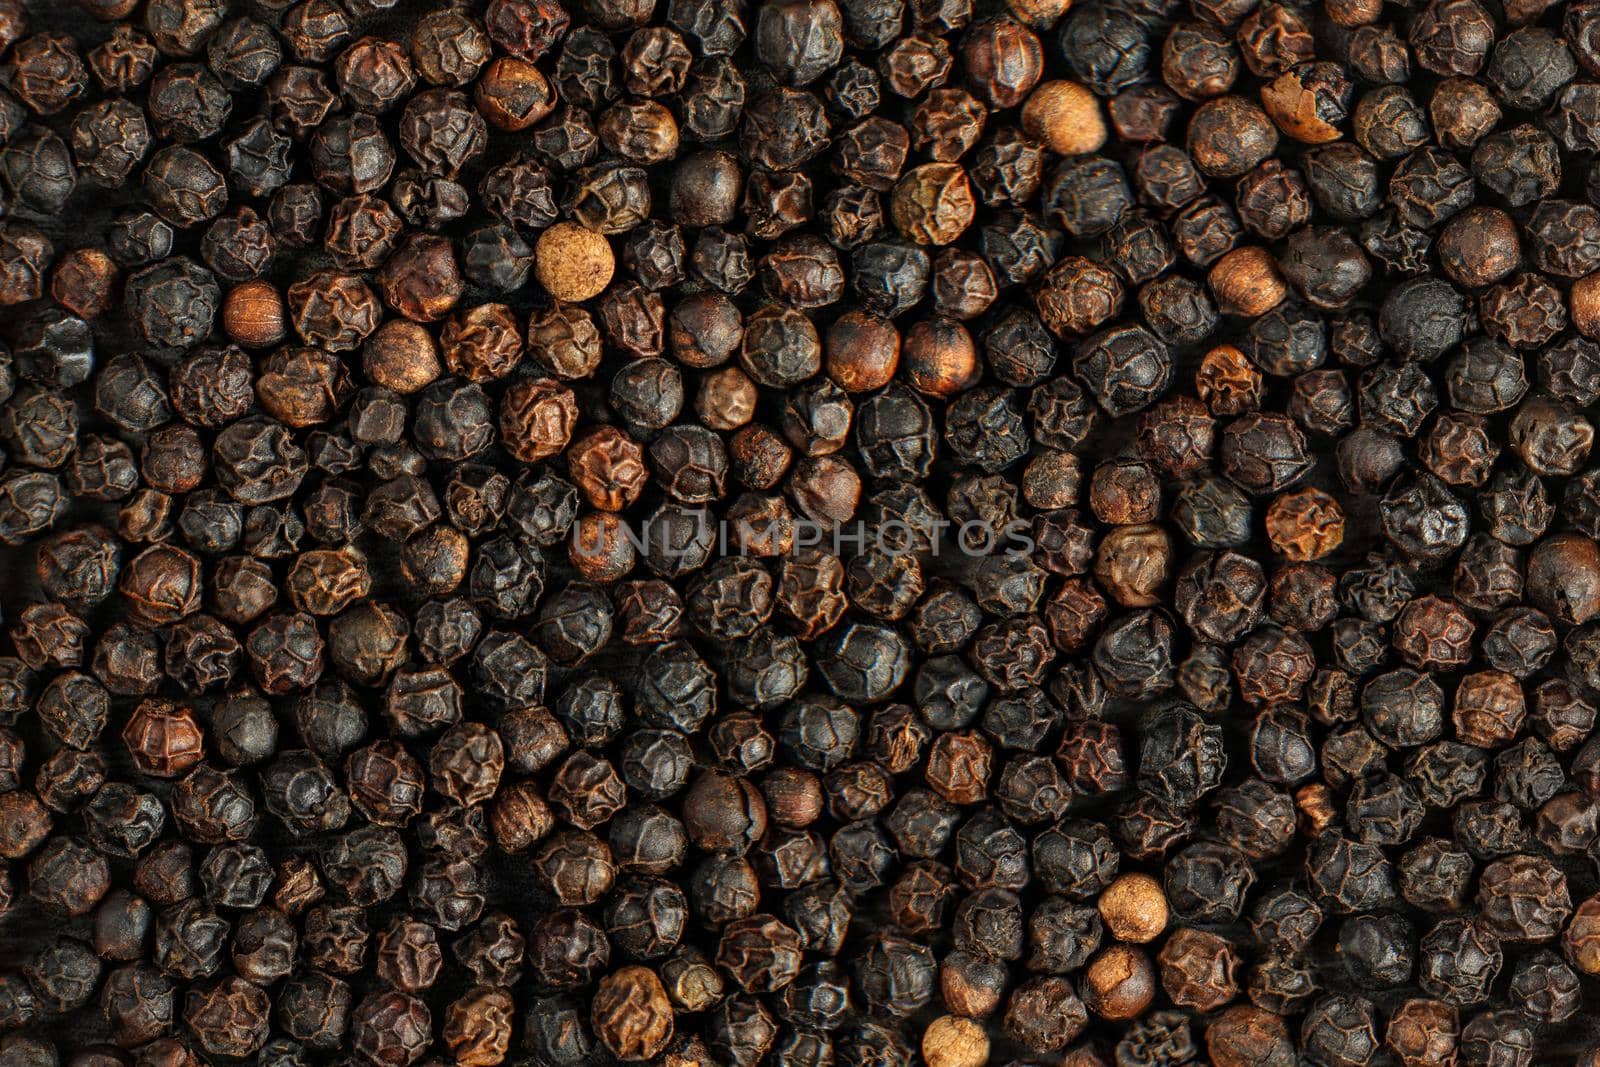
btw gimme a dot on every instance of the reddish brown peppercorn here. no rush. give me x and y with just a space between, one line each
1247 282
939 356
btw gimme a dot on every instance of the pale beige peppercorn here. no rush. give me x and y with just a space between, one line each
952 1041
573 262
1065 116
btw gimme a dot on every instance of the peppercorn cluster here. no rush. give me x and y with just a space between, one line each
428 429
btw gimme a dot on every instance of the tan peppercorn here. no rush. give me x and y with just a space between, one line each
482 343
1084 1055
1247 282
608 466
1134 908
1077 295
1583 300
933 204
1120 983
1306 105
971 985
401 356
1463 112
573 262
1065 116
631 1014
253 315
1051 480
952 1041
1306 524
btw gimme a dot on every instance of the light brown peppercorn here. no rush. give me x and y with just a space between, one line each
952 1041
1581 940
933 204
572 262
253 315
727 399
1247 282
794 797
608 466
477 1027
1306 524
1248 1036
631 1014
1353 13
1134 908
1119 983
1583 301
1227 382
513 94
1314 804
971 985
1039 14
1199 969
1564 577
1132 564
401 355
1065 116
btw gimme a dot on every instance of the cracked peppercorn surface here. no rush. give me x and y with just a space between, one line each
320 738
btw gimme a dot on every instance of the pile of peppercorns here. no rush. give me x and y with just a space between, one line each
486 523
